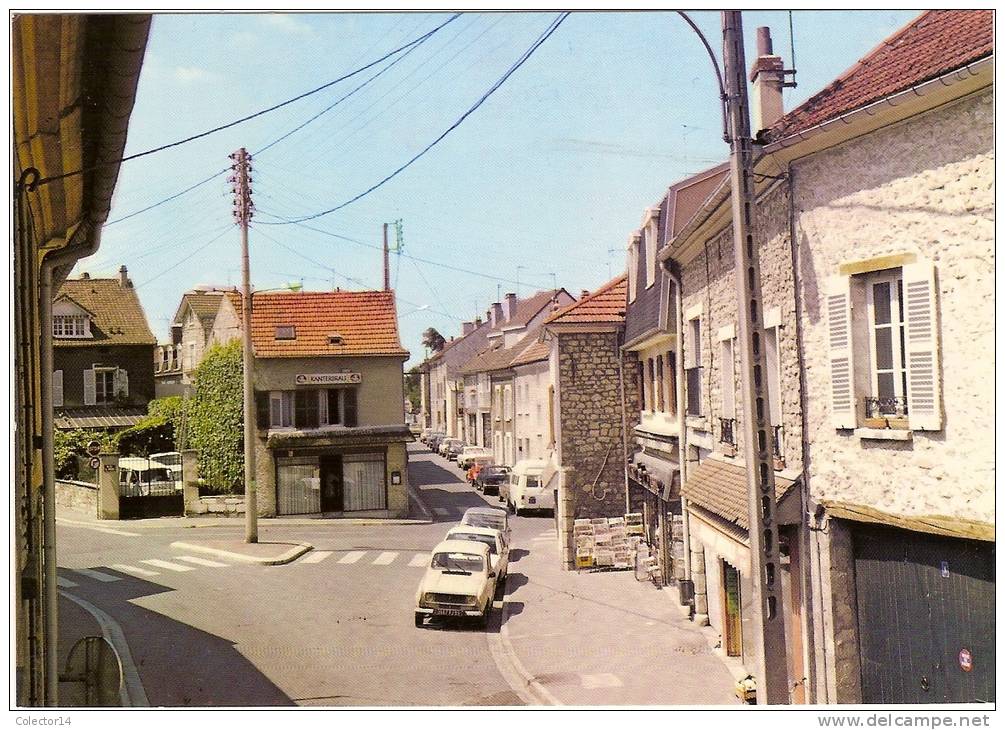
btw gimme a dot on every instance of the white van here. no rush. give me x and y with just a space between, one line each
527 489
139 476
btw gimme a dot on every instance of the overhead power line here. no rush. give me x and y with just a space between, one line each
495 87
248 117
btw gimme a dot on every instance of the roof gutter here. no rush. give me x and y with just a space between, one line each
870 110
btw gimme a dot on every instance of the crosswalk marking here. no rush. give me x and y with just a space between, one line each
385 558
133 569
352 557
202 561
64 583
316 557
419 560
97 575
168 566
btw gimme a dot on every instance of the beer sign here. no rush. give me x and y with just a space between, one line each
330 379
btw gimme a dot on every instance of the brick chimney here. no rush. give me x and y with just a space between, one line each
510 306
84 276
124 277
478 322
584 293
497 314
467 328
766 75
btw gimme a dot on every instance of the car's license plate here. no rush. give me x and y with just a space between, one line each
448 612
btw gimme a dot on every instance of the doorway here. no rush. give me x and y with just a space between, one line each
732 638
331 484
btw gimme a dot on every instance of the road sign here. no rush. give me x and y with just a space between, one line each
94 462
93 675
93 448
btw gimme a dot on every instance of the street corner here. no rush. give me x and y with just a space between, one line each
261 553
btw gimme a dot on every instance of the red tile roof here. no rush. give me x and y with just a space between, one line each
366 321
937 42
606 305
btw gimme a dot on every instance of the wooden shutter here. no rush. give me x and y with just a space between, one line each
840 355
349 406
90 389
924 391
262 409
57 388
120 383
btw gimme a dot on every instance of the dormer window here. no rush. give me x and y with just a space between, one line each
286 332
335 339
71 325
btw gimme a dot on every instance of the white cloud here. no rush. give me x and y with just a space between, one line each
193 75
287 24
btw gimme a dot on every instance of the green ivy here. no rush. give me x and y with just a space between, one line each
152 434
70 452
215 419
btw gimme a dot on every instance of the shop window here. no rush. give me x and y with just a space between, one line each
306 410
281 409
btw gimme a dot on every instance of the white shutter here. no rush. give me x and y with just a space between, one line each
120 383
89 388
924 394
57 388
838 306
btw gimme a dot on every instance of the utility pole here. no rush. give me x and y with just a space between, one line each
387 263
242 213
766 579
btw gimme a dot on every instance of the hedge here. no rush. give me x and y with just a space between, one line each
215 419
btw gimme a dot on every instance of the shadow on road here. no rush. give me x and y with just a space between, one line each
516 553
453 503
422 473
179 665
515 581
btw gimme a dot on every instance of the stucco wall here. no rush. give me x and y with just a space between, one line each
531 383
924 187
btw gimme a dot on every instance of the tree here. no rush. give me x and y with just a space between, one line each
412 381
433 339
215 418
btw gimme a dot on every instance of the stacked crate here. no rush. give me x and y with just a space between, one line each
582 532
604 543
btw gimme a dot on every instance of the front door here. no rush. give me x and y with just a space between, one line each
731 601
331 483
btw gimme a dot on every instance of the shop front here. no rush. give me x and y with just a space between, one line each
655 492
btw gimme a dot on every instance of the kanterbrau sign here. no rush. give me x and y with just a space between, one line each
330 379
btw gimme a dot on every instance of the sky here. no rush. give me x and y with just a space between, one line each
540 186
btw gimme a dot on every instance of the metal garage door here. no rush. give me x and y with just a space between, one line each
926 609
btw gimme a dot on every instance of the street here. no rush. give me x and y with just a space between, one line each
334 627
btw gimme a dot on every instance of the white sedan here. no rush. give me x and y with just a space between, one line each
498 548
459 582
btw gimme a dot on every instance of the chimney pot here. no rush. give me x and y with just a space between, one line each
467 328
85 275
764 41
124 277
510 305
767 77
497 314
584 293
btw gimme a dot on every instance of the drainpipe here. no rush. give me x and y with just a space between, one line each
66 256
669 265
618 337
805 558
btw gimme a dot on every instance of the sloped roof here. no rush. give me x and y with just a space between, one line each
498 357
527 308
721 488
117 316
538 350
937 42
366 320
605 305
204 304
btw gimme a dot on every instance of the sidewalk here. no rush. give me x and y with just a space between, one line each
605 638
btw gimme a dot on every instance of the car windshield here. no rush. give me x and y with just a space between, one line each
533 482
458 562
490 521
495 471
487 539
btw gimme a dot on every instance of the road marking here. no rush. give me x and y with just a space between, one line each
598 681
202 561
133 569
352 557
541 539
64 583
441 511
87 526
316 557
167 566
97 575
385 559
418 561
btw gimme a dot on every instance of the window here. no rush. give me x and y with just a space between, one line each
281 409
651 384
671 384
692 367
885 298
728 382
771 362
652 216
633 267
642 385
104 385
70 325
286 332
660 385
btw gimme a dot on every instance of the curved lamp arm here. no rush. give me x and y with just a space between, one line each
718 72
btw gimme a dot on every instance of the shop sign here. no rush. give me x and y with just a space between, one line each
330 379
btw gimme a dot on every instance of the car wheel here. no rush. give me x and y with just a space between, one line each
418 620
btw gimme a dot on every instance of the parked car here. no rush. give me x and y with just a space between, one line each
425 434
140 476
455 449
526 489
494 538
459 582
490 477
444 445
434 439
497 519
467 457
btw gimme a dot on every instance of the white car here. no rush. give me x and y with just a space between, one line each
459 582
496 519
445 444
527 489
467 457
498 547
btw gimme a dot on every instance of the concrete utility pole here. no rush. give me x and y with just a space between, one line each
766 579
387 263
242 213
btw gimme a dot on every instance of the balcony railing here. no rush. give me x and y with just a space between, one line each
890 407
726 435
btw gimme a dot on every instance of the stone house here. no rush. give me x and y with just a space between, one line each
874 226
592 408
103 351
330 433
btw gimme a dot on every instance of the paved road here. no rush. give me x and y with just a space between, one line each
333 628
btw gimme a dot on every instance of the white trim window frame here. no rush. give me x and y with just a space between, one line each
887 362
104 385
633 266
70 326
280 409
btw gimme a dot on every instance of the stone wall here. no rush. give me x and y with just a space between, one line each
77 496
933 196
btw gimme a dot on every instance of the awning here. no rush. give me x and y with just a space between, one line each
339 436
656 474
932 524
721 489
98 417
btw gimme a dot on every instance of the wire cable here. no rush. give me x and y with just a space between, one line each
495 87
187 258
248 117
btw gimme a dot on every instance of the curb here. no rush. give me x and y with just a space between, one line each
288 557
169 522
421 504
543 696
